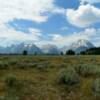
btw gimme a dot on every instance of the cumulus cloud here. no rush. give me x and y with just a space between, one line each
35 10
9 35
84 16
89 1
91 34
27 9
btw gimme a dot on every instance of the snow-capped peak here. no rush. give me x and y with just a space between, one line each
82 43
78 46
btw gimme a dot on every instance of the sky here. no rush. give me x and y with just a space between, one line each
41 22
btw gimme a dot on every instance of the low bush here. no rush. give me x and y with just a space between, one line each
2 98
13 88
31 65
68 76
21 65
10 81
96 87
3 65
87 70
44 66
13 62
63 65
27 65
83 70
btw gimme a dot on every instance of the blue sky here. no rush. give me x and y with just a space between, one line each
58 22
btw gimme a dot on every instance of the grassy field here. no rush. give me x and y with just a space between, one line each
49 77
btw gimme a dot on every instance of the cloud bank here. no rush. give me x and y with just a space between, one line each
35 10
39 11
91 34
84 16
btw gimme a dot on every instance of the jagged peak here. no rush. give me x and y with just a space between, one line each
82 42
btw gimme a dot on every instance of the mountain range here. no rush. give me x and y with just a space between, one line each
77 46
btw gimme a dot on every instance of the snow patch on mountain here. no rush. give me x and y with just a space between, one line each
79 46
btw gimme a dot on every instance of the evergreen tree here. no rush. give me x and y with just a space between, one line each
82 53
35 53
62 53
25 52
70 52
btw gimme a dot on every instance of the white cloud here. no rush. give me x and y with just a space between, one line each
84 16
27 9
91 34
89 1
9 36
35 10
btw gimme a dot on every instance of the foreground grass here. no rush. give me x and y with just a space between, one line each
37 77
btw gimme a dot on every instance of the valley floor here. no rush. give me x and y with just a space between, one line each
36 78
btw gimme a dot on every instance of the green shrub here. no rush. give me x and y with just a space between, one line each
3 65
31 65
2 98
96 87
63 65
13 97
21 65
83 70
10 84
13 62
87 70
68 76
44 66
10 81
13 87
25 65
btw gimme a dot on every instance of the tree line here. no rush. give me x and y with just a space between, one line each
91 51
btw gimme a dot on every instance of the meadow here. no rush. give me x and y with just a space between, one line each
50 77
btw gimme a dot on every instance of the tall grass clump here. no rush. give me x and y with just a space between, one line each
68 76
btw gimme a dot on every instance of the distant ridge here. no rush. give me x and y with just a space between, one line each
77 46
50 49
18 49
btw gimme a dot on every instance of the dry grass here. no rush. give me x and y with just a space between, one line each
38 76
